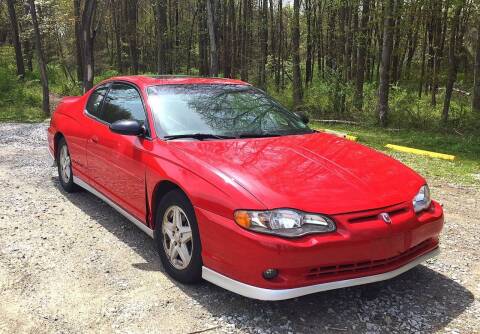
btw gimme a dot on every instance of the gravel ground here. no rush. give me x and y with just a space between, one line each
69 263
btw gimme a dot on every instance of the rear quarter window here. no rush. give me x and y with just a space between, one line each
95 101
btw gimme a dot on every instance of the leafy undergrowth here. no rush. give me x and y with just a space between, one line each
465 169
21 100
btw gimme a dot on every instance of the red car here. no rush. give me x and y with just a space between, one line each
239 191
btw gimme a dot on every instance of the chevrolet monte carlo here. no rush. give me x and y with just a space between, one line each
239 191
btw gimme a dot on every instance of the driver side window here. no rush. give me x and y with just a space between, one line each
123 102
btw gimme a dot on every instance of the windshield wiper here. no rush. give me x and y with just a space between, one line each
258 135
199 136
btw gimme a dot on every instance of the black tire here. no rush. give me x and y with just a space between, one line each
66 182
192 273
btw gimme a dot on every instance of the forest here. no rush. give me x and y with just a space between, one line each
390 63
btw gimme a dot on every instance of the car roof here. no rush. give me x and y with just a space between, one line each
146 80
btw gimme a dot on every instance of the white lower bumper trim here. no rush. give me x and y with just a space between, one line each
254 292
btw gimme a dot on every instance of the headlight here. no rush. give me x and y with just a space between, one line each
285 223
422 200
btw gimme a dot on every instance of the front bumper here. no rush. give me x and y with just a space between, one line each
254 292
364 248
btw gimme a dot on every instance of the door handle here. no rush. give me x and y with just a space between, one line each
94 139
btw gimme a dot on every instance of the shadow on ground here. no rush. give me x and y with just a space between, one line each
421 300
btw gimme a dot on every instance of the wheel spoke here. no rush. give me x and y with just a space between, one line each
186 237
168 225
177 217
183 253
169 233
173 252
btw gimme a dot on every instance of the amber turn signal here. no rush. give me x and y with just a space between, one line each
243 219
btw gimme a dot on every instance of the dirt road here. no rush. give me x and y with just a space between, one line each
71 264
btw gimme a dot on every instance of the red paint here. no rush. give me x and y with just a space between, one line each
315 173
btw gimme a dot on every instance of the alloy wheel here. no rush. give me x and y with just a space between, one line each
177 237
65 164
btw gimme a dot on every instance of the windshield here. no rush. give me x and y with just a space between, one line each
221 111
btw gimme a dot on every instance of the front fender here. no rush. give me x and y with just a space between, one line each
207 188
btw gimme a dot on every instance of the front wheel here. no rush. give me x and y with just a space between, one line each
178 239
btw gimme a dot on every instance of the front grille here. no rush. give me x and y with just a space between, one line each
372 215
366 266
362 219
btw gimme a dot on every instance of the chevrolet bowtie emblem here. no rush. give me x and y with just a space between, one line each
385 217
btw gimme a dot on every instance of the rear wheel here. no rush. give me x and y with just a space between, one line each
64 164
177 238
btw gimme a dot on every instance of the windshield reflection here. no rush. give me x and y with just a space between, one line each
220 110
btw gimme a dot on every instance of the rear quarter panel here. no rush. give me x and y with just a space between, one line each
67 120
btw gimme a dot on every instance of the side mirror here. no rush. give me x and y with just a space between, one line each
303 116
127 127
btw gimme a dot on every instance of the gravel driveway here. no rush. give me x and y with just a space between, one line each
70 263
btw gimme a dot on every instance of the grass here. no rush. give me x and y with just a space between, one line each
465 169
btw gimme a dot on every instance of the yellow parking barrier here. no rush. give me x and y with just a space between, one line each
350 137
420 152
340 134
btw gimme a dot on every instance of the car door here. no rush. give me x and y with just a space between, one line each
92 110
114 160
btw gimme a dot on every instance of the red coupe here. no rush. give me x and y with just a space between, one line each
239 191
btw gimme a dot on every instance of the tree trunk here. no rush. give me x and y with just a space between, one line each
452 64
132 17
384 88
320 46
308 61
263 45
161 36
437 30
245 31
362 48
78 39
476 85
41 59
16 39
190 38
422 73
88 38
231 57
212 38
297 75
118 37
279 50
397 38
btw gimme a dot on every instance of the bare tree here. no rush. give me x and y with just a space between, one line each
452 63
476 85
131 19
16 39
88 39
384 87
212 37
263 44
297 75
41 59
362 50
78 39
161 36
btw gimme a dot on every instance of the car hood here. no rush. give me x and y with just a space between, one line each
315 172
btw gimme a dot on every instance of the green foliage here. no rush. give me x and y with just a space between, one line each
331 97
105 75
19 101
